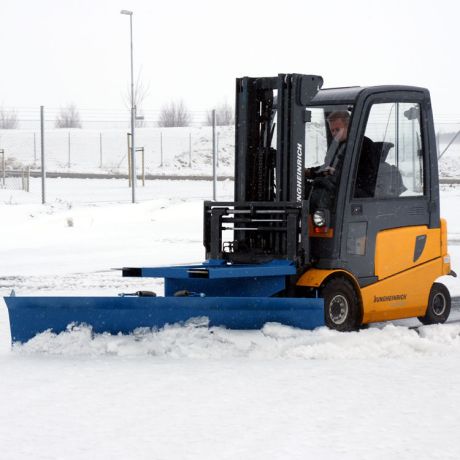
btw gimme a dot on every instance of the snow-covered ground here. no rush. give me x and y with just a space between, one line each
193 393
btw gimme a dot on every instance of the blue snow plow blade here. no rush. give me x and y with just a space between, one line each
32 315
236 296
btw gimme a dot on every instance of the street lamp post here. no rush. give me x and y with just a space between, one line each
133 111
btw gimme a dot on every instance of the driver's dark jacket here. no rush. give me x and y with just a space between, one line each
324 187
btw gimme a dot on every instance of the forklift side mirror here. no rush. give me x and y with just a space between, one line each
412 114
309 86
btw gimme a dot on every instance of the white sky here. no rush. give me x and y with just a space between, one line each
59 51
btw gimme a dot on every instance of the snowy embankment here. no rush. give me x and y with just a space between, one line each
189 392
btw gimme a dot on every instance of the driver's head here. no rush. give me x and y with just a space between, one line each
338 124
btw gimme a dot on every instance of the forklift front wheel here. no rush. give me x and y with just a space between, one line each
438 309
341 305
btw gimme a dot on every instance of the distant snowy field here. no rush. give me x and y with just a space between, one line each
188 392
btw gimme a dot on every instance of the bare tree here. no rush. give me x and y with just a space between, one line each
174 114
141 91
224 115
8 119
68 117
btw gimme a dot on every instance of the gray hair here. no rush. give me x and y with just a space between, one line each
339 115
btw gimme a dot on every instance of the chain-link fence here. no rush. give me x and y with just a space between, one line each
10 178
180 151
15 180
100 147
448 146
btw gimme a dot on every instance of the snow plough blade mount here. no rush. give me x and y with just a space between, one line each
190 292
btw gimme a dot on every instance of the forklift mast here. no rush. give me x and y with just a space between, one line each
268 218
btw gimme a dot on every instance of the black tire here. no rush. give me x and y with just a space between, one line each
341 305
439 302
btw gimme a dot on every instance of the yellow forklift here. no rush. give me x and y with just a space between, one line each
335 221
371 242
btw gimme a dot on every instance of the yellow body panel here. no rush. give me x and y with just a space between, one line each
403 295
444 254
403 285
400 296
394 249
314 277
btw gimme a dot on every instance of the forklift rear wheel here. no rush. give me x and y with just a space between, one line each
438 309
341 305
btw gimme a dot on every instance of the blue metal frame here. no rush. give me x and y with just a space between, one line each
261 286
214 269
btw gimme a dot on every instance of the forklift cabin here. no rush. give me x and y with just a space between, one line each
376 245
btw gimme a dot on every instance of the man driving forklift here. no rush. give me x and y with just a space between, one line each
338 125
325 177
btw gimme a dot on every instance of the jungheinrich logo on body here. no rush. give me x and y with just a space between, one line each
299 171
390 298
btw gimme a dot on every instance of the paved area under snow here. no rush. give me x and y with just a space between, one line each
189 392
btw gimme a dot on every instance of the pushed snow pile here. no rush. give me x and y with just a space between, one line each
196 341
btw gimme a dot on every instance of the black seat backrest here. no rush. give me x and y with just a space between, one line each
371 156
381 150
389 180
